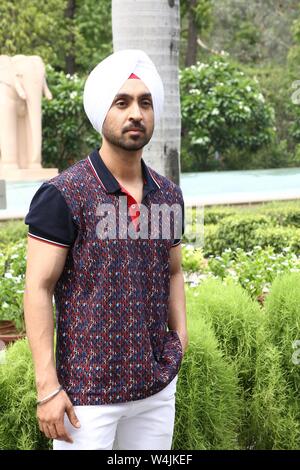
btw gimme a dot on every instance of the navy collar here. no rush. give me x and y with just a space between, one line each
110 183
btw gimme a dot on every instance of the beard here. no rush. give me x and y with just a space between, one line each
126 141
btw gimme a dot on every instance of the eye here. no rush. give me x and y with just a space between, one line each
146 103
120 103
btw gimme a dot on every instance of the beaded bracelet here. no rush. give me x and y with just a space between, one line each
51 395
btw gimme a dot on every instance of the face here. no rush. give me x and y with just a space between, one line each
129 123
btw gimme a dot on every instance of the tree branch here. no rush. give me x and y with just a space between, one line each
204 46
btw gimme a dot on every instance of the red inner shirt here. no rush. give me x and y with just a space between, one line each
134 214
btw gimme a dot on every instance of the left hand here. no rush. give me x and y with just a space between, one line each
184 339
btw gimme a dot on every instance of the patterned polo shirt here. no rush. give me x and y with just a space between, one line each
113 342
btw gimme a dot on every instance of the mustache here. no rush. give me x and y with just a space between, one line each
139 127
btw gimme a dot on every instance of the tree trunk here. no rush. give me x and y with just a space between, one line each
70 58
154 26
191 52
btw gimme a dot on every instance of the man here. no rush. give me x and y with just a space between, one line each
119 297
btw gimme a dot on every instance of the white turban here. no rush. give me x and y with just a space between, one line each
106 79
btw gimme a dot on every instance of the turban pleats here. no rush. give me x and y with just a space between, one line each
106 79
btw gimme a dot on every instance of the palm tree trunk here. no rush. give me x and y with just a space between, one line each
154 26
70 57
191 51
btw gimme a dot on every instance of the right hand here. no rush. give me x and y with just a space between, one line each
51 417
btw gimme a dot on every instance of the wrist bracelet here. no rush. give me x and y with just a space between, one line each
51 395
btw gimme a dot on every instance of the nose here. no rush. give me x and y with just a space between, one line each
135 112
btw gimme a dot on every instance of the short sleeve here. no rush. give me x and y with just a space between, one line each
49 217
178 240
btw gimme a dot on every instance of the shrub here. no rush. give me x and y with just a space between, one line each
212 244
234 232
283 323
275 411
222 110
237 231
18 425
214 215
278 237
273 420
236 321
12 275
192 259
12 231
254 270
286 215
235 318
207 398
248 226
67 134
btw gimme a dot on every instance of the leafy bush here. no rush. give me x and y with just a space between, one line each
254 270
283 324
12 231
207 398
275 410
276 84
211 240
234 232
192 259
214 215
12 276
273 419
18 425
236 321
238 231
67 134
282 214
222 110
278 237
274 225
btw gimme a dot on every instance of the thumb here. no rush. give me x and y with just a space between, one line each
72 416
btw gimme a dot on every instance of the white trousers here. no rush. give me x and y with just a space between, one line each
145 424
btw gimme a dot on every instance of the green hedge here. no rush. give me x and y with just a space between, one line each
247 230
280 212
214 215
212 244
12 231
274 224
278 237
283 213
233 232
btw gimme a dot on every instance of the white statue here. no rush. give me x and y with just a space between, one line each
22 83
